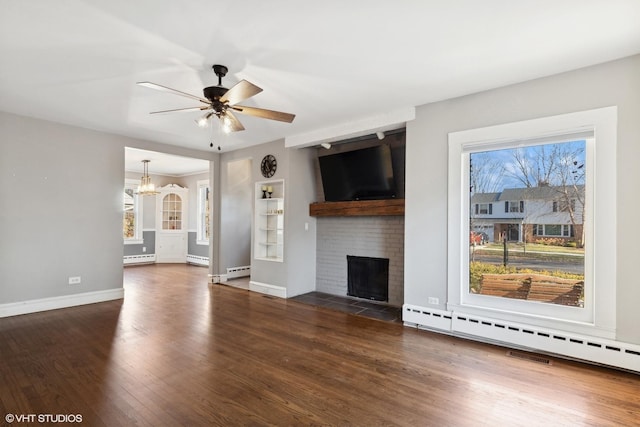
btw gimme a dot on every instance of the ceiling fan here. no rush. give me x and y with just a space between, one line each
223 103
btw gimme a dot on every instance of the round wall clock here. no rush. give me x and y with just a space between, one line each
268 166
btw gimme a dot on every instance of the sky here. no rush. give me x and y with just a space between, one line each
494 170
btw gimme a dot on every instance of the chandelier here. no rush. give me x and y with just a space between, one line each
146 187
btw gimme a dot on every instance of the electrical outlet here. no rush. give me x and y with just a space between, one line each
434 300
75 280
144 249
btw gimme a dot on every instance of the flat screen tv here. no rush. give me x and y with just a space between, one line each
363 174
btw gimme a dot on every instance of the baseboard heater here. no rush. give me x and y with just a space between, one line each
139 259
198 260
236 272
576 346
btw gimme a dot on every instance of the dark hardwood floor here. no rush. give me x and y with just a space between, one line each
178 352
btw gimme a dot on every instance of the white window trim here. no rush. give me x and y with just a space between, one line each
200 239
137 206
598 317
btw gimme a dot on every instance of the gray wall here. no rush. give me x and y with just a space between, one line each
300 228
61 210
237 213
262 271
295 166
148 245
193 248
615 83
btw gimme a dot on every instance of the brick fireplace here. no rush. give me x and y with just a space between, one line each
365 236
364 228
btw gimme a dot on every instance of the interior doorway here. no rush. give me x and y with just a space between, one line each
164 227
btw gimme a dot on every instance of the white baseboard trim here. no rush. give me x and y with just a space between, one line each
265 288
54 303
217 278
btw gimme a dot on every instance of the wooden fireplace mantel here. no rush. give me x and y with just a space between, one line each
387 207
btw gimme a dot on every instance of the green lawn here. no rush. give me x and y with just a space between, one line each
535 247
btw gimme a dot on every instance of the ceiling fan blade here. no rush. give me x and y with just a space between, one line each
231 122
183 110
170 90
239 92
265 114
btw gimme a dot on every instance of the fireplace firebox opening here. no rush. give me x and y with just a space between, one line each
368 277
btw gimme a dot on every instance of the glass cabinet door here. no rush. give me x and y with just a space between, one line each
172 212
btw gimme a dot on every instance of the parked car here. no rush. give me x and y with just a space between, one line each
478 238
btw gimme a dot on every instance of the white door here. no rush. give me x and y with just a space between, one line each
171 224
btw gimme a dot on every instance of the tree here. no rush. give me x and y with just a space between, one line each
486 173
559 166
485 176
570 176
535 166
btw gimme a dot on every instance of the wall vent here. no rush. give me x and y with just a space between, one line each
429 317
598 350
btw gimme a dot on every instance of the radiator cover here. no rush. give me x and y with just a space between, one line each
510 334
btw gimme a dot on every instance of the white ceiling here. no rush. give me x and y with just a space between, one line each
331 62
162 163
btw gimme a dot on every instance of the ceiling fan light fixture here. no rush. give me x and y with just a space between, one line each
226 124
146 187
203 121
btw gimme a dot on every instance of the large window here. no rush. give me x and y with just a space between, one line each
539 267
204 212
531 261
132 214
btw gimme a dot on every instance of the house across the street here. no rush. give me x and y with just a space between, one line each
551 214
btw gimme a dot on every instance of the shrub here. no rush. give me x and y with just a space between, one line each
550 241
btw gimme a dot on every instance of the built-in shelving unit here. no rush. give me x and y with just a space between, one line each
387 207
269 221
